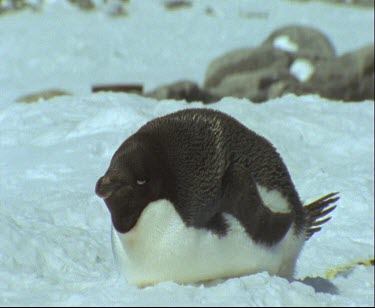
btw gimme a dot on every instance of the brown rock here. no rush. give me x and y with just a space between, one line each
119 87
45 95
182 90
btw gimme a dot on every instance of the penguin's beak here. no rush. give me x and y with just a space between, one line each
105 187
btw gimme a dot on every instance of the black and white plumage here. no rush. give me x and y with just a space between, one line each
195 195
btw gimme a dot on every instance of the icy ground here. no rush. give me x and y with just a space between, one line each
55 239
55 232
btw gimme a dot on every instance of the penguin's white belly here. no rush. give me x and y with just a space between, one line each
161 248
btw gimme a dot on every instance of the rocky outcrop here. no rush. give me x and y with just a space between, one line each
348 78
244 60
301 42
182 90
293 59
253 85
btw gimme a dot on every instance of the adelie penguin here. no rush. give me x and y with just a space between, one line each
197 196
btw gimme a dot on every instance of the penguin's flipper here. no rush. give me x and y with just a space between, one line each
316 213
241 198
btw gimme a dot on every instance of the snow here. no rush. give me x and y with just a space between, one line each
302 69
283 42
55 232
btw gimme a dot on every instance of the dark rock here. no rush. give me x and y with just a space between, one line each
302 42
349 77
86 5
366 87
119 87
183 90
177 4
244 60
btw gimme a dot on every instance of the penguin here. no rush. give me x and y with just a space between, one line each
196 196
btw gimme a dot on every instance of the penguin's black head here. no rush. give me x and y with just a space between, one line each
132 181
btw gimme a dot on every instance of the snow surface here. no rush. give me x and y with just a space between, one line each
283 42
302 69
55 232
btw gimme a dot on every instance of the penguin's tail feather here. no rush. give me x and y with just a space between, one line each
316 213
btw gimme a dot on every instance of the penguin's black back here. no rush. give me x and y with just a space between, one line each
203 150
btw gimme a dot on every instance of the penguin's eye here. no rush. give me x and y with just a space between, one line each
141 182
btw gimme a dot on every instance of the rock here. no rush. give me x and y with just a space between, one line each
209 11
244 60
119 87
293 59
366 87
45 95
177 4
116 9
282 87
183 90
19 5
361 3
86 5
302 42
274 68
253 85
349 77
